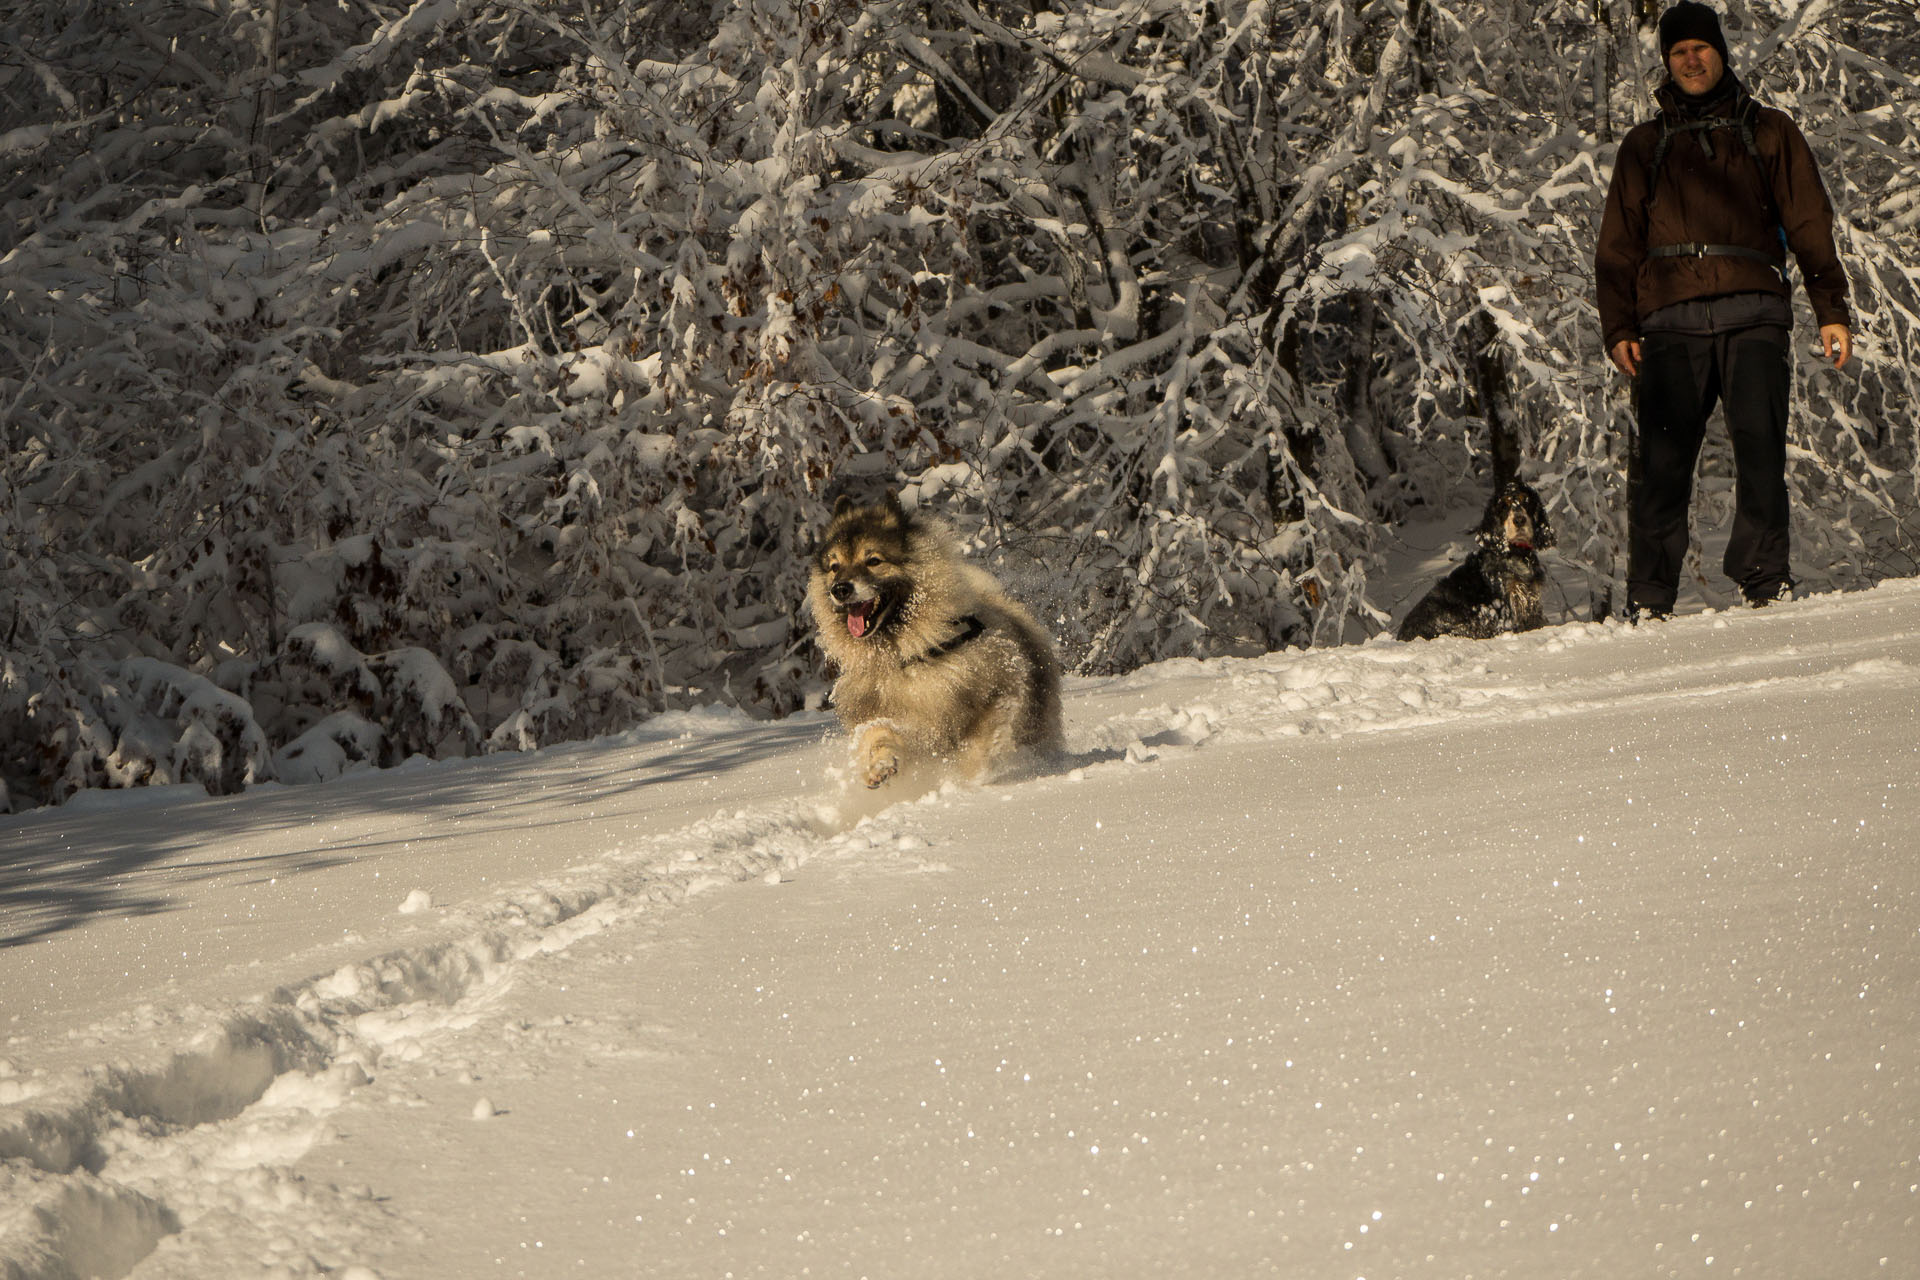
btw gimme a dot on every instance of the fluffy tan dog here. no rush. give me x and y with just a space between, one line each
935 662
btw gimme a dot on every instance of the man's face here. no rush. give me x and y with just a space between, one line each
1695 66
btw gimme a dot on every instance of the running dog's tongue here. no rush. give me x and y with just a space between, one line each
857 618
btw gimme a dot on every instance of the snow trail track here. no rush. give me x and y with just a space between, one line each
166 1131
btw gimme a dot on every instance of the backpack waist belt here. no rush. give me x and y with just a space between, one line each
1694 249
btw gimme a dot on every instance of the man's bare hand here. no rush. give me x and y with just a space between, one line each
1836 343
1626 354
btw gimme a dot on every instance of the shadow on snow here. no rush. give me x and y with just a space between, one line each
124 854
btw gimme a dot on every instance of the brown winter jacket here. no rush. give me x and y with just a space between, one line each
1717 199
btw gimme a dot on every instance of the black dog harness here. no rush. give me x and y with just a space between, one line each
971 629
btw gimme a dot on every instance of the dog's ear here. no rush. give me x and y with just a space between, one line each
896 514
841 506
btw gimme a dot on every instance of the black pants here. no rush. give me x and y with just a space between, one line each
1682 376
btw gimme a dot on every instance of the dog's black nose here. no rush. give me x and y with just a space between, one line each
843 591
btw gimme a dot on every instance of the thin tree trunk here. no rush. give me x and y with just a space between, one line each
1496 399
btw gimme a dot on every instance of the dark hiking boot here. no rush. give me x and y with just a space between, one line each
1761 597
1639 613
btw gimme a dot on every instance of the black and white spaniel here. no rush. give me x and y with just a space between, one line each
1497 588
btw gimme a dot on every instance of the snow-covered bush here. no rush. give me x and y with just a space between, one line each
330 748
171 725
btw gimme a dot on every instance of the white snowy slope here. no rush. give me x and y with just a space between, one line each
1587 953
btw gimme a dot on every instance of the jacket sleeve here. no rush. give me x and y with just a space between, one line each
1622 246
1806 215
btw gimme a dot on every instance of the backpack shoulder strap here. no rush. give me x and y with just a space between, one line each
1741 122
1744 120
1667 131
1659 152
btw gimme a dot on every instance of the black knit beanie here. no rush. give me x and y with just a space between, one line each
1690 21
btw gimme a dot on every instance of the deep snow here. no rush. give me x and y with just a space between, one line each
1591 952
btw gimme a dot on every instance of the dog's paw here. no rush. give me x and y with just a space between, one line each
877 753
880 767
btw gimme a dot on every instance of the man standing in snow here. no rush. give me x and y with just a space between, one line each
1706 199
